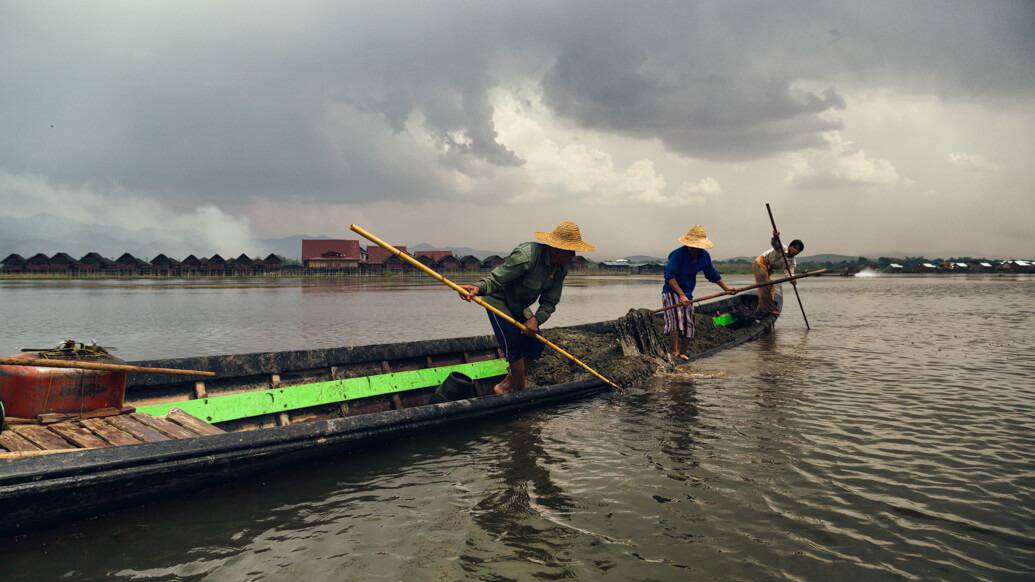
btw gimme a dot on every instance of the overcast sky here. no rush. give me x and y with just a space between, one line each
870 126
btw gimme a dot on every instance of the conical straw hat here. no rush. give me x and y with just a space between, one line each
697 238
566 236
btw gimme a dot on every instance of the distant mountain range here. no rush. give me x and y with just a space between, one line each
48 234
459 251
290 247
44 233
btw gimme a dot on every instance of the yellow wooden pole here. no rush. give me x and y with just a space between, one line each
374 239
79 365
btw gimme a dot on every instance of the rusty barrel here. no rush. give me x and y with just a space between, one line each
28 391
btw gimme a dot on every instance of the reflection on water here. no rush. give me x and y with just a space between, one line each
895 440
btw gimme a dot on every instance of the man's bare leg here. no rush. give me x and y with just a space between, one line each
677 345
517 375
515 379
503 386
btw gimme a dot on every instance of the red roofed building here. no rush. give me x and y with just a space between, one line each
377 255
433 255
330 254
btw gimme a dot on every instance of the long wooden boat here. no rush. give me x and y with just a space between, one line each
261 410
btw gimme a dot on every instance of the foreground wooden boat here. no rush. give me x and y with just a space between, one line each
262 410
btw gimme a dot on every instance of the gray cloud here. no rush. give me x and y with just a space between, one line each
227 102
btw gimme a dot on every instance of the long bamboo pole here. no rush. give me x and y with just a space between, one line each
786 262
743 289
45 363
374 239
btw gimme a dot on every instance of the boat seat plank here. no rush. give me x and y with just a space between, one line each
166 427
109 433
137 429
78 435
241 405
43 437
15 443
191 423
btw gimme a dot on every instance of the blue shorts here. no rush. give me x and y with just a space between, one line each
514 343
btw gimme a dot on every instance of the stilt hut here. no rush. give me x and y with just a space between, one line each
38 264
491 262
394 264
381 261
165 266
244 265
63 264
449 264
272 264
127 264
190 266
14 263
93 263
427 261
216 265
470 263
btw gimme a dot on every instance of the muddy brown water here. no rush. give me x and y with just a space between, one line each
896 440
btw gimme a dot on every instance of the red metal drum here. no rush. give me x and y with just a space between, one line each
28 391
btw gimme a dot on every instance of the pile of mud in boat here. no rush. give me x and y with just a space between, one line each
636 347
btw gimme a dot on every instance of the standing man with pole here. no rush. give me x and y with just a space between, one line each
768 262
680 280
467 292
534 271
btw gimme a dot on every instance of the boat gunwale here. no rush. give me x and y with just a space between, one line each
231 366
31 471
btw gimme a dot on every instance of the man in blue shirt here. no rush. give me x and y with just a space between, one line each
680 278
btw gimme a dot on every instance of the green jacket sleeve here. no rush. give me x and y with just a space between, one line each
515 266
550 298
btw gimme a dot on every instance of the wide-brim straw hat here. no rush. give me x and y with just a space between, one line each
566 236
696 238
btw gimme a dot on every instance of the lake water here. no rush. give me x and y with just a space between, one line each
894 440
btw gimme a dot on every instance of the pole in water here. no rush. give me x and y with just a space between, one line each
786 262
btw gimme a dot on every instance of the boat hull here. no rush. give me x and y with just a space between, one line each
37 490
46 489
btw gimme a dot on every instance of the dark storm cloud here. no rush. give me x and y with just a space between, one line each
720 80
230 101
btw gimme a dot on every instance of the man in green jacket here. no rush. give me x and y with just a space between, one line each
534 271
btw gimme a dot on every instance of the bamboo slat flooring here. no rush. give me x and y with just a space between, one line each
90 433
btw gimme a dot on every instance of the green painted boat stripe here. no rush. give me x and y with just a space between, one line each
259 402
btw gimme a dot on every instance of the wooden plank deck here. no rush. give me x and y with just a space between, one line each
74 434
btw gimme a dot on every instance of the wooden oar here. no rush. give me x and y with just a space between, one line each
743 289
45 363
786 262
369 236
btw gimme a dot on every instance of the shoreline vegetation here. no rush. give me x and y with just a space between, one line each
273 279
